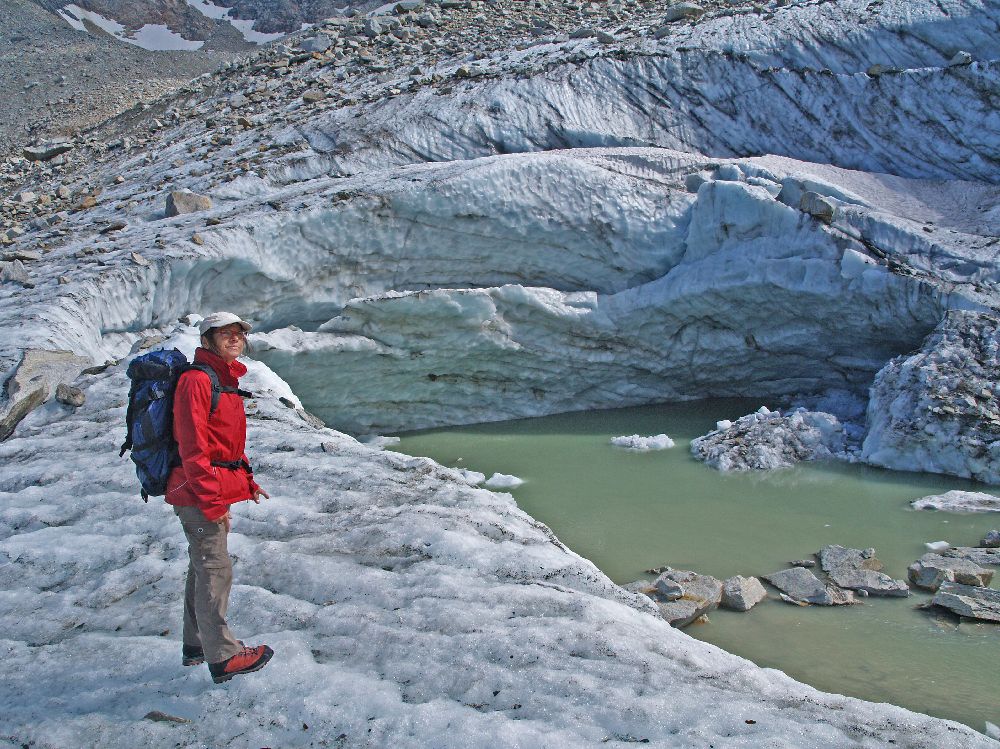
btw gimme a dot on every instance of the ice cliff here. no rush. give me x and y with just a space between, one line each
752 204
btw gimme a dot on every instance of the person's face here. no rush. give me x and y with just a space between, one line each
227 341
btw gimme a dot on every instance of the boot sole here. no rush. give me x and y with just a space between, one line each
256 667
192 661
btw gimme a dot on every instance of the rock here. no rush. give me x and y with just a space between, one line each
238 100
975 554
958 501
15 272
318 43
835 557
310 419
859 570
161 717
931 570
27 197
584 32
36 377
23 255
69 395
139 259
682 596
313 95
960 58
679 613
405 6
605 38
821 208
372 28
682 11
181 202
966 600
803 563
197 239
46 151
802 585
742 593
991 540
878 69
89 201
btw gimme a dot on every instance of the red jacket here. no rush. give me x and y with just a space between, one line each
203 440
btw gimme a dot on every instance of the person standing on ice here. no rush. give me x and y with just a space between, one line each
214 473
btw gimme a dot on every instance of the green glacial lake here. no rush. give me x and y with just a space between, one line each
629 511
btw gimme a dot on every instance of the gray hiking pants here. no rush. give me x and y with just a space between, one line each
209 580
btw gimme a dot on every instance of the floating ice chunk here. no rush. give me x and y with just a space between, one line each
377 440
503 481
472 478
937 546
637 442
992 730
958 501
723 425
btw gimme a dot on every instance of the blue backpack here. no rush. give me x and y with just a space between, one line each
150 415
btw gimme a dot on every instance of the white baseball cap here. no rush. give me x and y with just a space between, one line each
220 319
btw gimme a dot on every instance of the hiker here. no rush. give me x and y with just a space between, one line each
214 473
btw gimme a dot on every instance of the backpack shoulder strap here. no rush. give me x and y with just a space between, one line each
217 387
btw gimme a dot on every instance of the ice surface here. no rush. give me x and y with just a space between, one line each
638 442
405 607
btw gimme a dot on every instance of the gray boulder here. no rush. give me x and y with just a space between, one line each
318 43
181 202
966 600
742 593
682 596
991 540
859 570
47 151
931 570
801 585
681 11
818 206
70 396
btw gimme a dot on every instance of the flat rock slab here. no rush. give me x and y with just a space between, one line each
858 569
932 570
970 601
800 584
871 582
742 593
835 557
958 501
975 554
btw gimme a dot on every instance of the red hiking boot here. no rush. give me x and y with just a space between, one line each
244 662
193 655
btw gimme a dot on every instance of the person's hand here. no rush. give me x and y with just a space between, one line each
227 521
258 493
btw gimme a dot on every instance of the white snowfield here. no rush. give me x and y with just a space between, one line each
405 607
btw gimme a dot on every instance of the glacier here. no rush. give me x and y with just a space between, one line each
735 208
